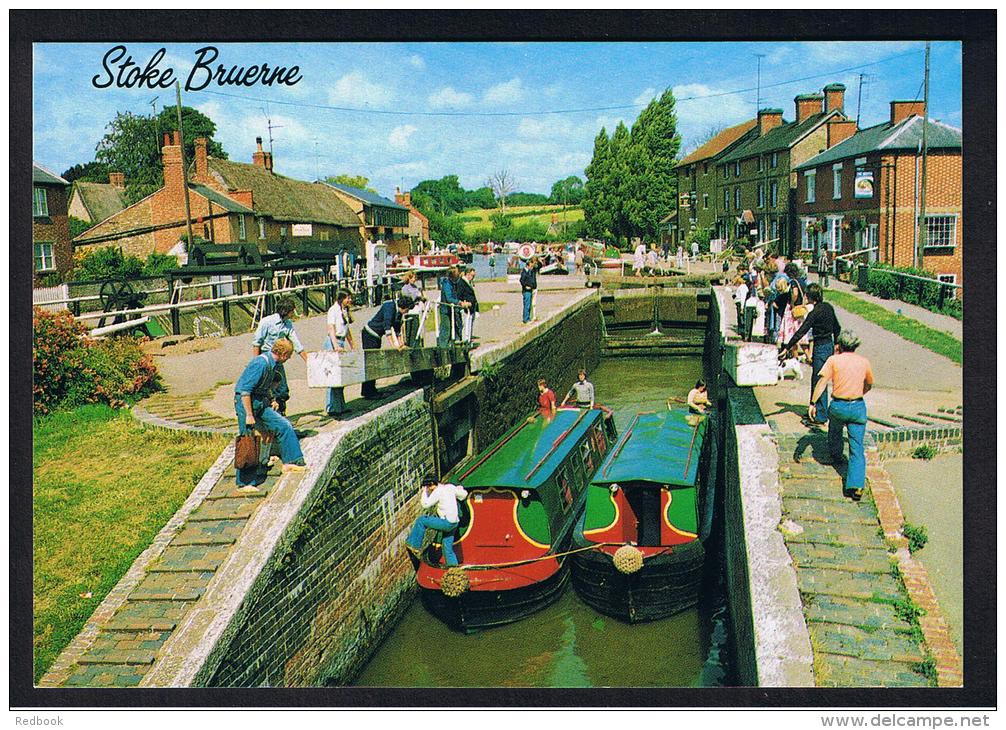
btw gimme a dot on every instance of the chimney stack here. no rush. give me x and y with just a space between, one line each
261 158
768 119
834 97
903 109
839 131
402 198
807 105
202 168
117 180
171 159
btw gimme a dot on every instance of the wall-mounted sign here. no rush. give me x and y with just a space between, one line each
864 184
302 229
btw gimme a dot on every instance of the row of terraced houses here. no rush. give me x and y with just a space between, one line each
230 202
820 183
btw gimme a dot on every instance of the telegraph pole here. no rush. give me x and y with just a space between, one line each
859 99
185 170
923 232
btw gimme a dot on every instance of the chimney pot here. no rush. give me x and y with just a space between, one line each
117 179
178 138
202 167
768 119
807 105
834 97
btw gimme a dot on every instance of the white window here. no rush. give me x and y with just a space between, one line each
44 259
737 168
810 181
261 227
40 203
807 237
774 194
775 160
836 181
242 233
737 198
775 229
723 169
941 231
761 163
834 233
705 201
761 194
726 198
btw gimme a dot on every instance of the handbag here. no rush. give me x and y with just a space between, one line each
800 311
246 450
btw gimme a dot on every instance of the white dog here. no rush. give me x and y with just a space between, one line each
790 366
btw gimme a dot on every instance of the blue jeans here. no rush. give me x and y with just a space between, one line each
335 403
849 414
823 349
445 333
439 524
270 420
528 295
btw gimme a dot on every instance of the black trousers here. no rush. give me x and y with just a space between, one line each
370 342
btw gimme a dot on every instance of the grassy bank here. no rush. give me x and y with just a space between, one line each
478 218
910 329
103 486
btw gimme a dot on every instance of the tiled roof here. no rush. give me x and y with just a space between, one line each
283 198
778 138
102 200
366 196
40 174
718 143
905 135
228 204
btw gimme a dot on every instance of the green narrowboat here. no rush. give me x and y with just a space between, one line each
525 494
642 514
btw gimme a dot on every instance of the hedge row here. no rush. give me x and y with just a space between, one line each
883 281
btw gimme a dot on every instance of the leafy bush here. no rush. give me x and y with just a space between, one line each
883 281
953 308
158 263
917 536
105 263
69 369
78 226
925 451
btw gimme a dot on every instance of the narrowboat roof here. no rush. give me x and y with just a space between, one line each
655 448
529 453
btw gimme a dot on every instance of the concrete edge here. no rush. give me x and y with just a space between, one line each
500 351
783 653
60 669
205 628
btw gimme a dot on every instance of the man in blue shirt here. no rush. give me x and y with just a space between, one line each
528 287
387 321
450 313
253 404
271 329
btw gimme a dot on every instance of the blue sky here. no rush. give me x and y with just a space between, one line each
519 79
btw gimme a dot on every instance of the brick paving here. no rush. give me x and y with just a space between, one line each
844 572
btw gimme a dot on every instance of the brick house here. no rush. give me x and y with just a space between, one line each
864 193
697 200
230 202
93 202
52 251
756 179
419 224
380 219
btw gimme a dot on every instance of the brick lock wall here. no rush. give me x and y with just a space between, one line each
556 355
340 578
54 229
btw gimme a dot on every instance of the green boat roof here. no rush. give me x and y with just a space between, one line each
656 449
512 460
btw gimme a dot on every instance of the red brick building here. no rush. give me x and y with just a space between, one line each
50 226
230 202
865 192
419 224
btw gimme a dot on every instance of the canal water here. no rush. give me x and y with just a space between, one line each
569 644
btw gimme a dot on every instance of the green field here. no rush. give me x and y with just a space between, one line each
478 218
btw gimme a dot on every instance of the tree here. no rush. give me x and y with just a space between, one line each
616 185
502 183
596 214
649 185
195 124
480 198
88 172
444 196
567 192
353 181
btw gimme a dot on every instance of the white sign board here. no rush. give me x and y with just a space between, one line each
327 369
302 229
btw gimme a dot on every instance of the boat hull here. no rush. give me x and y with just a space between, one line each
666 584
477 610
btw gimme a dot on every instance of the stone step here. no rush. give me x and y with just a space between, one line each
863 586
218 532
106 675
814 510
880 645
850 558
835 670
224 509
138 624
815 489
118 657
190 558
837 534
853 612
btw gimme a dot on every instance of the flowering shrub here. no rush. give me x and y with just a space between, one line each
70 369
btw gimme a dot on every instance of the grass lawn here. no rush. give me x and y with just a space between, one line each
103 486
911 329
482 215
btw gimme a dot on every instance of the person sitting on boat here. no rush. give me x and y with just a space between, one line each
584 391
698 397
546 399
445 521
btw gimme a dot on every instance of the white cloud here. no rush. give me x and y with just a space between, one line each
844 52
646 97
552 126
449 98
507 92
354 89
416 61
552 90
399 137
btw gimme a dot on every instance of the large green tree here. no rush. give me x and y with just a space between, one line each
443 196
88 172
596 213
616 185
649 185
568 191
353 181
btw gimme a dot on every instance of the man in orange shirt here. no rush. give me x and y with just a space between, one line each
851 378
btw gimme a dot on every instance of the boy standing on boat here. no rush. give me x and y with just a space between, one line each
546 399
583 389
445 521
